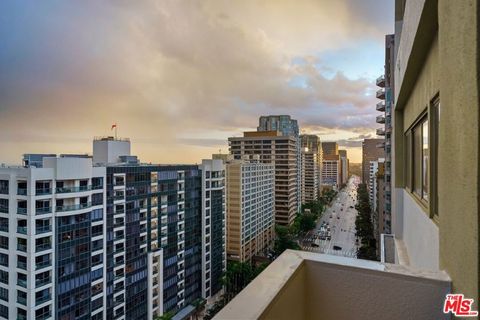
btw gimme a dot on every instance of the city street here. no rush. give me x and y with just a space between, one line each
340 218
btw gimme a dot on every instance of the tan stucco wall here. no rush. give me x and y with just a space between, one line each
450 66
459 145
426 87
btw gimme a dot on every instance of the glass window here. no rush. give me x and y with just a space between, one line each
408 161
417 160
425 166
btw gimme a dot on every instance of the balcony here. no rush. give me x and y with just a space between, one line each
43 264
381 94
380 119
73 207
381 106
43 191
305 285
41 282
43 247
22 211
43 229
43 210
73 189
381 81
380 132
22 191
22 230
40 300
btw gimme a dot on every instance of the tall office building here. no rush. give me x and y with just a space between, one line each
281 151
311 167
331 172
107 239
344 164
250 208
287 127
370 152
330 148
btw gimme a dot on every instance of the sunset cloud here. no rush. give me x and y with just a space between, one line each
179 77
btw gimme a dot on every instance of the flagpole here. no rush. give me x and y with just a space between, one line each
116 131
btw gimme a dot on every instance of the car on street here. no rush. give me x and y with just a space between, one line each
337 248
315 245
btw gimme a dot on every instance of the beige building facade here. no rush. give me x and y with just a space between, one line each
436 183
250 209
311 167
281 151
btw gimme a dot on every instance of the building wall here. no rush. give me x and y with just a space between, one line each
282 152
213 226
48 275
458 186
251 213
432 58
370 152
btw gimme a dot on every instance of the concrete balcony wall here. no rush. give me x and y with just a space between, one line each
305 285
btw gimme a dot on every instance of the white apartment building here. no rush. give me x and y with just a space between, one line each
372 185
49 214
213 226
250 208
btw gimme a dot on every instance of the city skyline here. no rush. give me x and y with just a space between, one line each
172 85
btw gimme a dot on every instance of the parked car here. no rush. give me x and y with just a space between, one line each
337 248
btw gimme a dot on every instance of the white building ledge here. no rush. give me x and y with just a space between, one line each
305 285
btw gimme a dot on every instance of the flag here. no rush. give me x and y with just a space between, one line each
113 126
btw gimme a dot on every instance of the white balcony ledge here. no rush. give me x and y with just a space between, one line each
305 285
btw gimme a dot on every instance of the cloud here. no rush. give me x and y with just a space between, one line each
164 69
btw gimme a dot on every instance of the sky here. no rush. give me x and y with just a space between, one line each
180 77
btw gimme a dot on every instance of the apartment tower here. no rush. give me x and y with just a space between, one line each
250 208
311 167
274 148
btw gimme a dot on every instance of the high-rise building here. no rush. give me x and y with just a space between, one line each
385 93
282 123
311 167
331 171
250 208
379 217
281 151
112 239
344 164
370 152
330 148
213 226
53 236
287 127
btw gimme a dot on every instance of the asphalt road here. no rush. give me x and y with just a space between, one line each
342 224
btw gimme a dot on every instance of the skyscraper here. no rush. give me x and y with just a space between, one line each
281 151
329 148
287 127
370 152
311 167
109 237
250 208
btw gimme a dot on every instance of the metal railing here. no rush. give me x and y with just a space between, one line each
73 207
73 189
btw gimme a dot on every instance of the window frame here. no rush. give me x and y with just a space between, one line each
431 114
